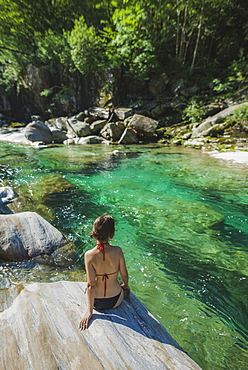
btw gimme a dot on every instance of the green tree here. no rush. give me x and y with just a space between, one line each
130 44
87 48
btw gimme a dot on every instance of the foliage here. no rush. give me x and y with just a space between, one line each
194 112
53 50
135 38
87 48
130 44
9 70
236 75
65 92
239 115
58 94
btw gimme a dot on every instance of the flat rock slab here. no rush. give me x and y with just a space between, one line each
40 331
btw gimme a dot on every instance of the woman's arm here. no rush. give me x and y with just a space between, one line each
91 282
124 274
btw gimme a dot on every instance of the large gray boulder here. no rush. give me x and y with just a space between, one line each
112 131
97 126
16 135
58 136
143 125
26 235
123 113
40 331
98 112
129 136
78 128
59 123
38 131
205 128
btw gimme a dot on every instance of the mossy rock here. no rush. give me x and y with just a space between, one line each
16 125
33 196
66 255
216 130
49 185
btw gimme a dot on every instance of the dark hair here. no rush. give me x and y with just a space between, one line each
103 228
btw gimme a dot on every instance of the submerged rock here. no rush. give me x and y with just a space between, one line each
7 195
50 185
93 139
177 214
40 331
33 196
26 235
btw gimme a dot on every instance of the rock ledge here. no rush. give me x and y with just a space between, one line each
40 331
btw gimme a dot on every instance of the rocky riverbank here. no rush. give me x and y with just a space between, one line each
222 129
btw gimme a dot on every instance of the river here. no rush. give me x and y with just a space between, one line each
182 221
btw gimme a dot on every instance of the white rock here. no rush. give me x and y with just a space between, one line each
40 331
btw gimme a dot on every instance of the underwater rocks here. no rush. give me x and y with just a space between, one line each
193 217
33 195
40 331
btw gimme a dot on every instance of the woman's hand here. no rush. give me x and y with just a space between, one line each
84 323
126 289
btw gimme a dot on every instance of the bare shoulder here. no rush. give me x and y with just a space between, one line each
118 249
89 254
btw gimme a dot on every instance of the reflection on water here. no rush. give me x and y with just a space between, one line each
182 222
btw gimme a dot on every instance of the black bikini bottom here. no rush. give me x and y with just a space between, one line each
106 303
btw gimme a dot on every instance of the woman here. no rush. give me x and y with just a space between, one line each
103 263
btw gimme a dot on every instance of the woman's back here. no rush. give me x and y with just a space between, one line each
105 260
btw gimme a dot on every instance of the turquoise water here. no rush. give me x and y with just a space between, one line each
181 221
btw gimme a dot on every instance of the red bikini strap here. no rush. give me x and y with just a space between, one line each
104 278
100 246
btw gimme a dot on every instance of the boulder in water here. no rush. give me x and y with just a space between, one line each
26 235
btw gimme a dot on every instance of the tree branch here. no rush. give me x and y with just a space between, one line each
15 51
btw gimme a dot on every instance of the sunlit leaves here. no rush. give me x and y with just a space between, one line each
87 48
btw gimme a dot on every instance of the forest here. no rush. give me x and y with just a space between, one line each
60 56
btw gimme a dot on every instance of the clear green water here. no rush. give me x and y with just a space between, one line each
182 223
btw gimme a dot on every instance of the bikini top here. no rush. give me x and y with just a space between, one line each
105 277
